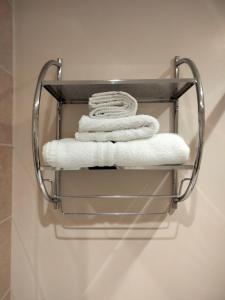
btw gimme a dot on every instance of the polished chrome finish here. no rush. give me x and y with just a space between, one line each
182 183
115 196
59 75
201 125
58 136
176 69
175 128
140 100
115 214
151 168
35 127
144 90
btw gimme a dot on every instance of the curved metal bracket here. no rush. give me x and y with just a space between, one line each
35 124
201 124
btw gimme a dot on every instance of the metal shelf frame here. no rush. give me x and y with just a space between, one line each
61 91
144 90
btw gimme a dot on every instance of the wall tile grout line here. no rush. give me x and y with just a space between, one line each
10 3
6 145
5 294
5 70
29 260
5 220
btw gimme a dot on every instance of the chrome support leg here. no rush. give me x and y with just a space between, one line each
58 136
175 129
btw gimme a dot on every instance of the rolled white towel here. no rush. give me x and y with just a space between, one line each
161 149
118 130
113 104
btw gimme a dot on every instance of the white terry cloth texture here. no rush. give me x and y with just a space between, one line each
113 104
89 124
161 149
115 136
117 130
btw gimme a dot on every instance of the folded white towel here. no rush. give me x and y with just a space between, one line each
161 149
115 136
114 104
118 130
89 124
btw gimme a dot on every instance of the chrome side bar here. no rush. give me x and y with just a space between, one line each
35 124
175 129
201 125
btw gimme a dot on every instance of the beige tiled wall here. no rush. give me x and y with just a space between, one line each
6 86
173 257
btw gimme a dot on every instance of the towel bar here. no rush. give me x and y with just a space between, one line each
145 91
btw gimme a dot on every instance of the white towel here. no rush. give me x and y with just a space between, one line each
118 130
114 104
161 149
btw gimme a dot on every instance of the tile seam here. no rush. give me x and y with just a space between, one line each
5 70
5 220
5 294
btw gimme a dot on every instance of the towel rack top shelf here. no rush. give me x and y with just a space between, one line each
144 90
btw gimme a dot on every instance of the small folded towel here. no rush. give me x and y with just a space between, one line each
117 130
114 104
161 149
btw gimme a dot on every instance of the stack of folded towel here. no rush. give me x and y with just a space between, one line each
112 117
113 135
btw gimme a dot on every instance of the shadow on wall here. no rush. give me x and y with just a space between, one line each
156 224
214 117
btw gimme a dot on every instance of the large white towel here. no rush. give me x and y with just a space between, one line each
161 149
113 104
118 130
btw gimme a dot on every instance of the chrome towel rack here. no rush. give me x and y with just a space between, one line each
145 91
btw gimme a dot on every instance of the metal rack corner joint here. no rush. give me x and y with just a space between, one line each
61 91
